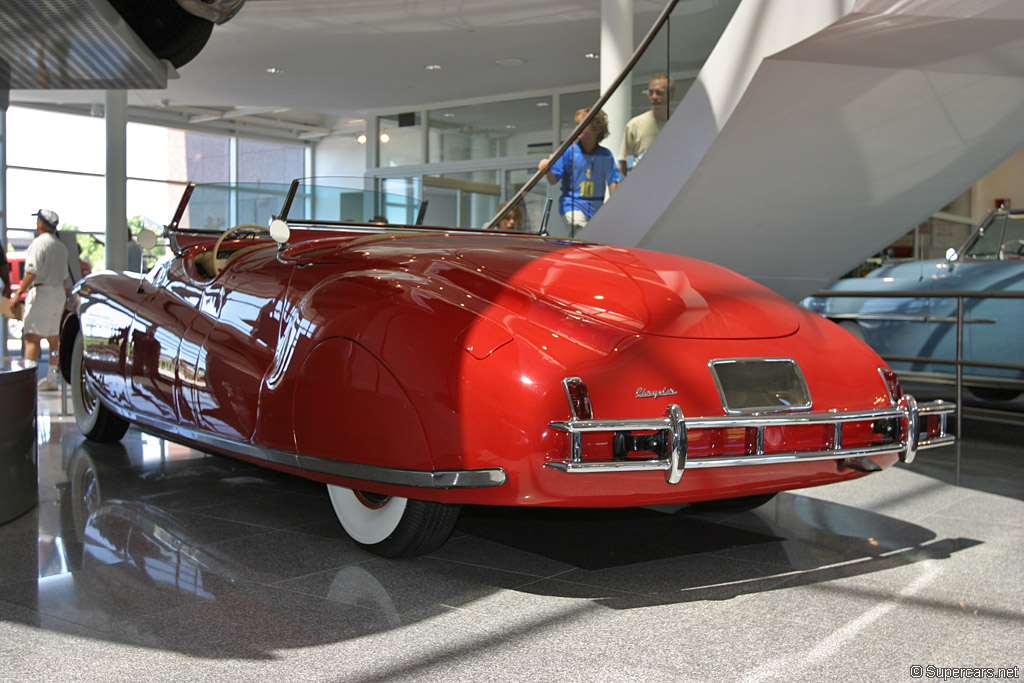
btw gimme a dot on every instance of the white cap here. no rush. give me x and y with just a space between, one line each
49 217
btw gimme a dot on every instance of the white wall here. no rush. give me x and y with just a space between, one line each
1006 181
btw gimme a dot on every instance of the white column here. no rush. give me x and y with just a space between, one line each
116 116
616 49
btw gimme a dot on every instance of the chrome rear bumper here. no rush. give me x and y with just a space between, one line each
674 429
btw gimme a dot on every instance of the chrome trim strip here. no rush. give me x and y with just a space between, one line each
742 460
935 442
907 410
711 463
438 479
727 421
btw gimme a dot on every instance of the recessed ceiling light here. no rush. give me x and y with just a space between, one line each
433 67
361 138
385 138
510 126
543 103
509 61
592 55
274 70
448 115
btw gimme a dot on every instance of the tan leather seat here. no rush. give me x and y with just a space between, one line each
205 264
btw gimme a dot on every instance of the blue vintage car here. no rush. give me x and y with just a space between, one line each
992 259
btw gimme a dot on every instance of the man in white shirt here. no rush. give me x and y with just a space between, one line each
643 128
46 265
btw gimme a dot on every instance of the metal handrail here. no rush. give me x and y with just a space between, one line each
960 295
918 294
637 54
959 320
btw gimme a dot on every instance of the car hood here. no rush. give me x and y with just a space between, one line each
635 290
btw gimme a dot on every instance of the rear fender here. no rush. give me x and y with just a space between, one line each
348 406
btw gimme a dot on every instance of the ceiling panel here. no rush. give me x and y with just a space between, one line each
72 45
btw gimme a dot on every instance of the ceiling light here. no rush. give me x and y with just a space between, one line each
543 103
592 55
448 115
361 138
274 71
509 61
510 126
385 138
433 67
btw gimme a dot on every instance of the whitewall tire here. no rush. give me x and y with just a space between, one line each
94 419
392 526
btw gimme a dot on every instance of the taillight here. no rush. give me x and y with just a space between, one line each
579 398
892 384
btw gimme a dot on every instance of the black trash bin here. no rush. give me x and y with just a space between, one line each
19 463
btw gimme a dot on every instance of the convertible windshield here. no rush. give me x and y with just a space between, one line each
1002 237
216 207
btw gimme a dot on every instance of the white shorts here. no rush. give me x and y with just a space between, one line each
43 309
575 219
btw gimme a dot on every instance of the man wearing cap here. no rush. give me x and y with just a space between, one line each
46 264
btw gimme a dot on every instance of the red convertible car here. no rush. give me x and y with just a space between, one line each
414 369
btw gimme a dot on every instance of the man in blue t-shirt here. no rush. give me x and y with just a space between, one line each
584 169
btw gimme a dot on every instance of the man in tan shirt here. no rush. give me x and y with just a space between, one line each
643 128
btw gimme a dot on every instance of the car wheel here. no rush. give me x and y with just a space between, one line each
168 31
94 419
391 526
182 47
735 504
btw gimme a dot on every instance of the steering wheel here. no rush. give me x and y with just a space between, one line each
1012 247
250 230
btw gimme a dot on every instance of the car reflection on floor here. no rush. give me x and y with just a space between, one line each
147 542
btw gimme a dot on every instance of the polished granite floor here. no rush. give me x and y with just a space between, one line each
149 561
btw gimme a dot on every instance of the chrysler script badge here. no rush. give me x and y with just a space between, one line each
657 393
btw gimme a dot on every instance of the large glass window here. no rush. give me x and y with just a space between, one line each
268 162
58 160
465 200
486 131
60 142
400 140
79 200
160 153
153 200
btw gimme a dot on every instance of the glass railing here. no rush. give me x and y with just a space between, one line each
572 185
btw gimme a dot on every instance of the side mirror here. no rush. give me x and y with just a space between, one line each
147 239
279 231
951 254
